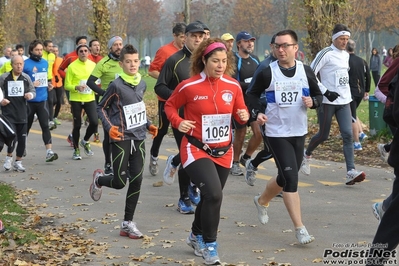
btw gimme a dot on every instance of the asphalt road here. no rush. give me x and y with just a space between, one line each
336 214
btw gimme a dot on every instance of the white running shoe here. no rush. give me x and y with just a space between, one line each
130 229
236 170
384 154
18 167
7 163
170 171
305 166
303 236
353 176
262 211
95 190
250 173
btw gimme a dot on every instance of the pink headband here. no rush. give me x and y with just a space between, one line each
213 46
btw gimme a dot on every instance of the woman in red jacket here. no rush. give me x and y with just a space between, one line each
210 99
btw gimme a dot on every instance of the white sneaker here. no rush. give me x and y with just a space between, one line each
384 154
130 230
250 173
7 163
303 236
305 166
95 190
378 211
18 167
153 167
170 171
262 211
353 176
236 170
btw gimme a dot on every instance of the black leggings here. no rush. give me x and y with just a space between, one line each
41 110
106 147
20 138
263 155
91 112
288 155
163 127
128 162
210 178
59 93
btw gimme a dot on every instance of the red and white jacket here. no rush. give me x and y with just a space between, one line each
211 103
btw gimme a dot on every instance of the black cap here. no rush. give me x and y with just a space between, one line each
195 27
203 25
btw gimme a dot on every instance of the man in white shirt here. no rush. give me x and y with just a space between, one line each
147 62
331 65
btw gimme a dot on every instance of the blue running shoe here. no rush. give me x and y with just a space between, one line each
362 137
194 194
197 243
357 146
184 206
210 254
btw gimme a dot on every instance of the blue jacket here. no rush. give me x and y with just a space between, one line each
33 68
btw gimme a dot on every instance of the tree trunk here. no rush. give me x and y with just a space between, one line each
320 21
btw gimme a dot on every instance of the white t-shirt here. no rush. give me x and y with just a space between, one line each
3 59
147 60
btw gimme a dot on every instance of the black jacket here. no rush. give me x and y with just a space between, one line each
16 111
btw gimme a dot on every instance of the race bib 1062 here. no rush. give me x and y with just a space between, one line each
216 128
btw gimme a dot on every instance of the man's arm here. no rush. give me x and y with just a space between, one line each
91 82
154 74
164 80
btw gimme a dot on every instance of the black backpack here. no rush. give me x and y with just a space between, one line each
388 115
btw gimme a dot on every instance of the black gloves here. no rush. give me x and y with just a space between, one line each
56 79
331 95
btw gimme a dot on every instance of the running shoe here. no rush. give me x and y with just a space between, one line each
18 167
184 206
96 137
362 137
353 176
210 254
194 194
86 147
76 155
130 230
384 154
7 163
250 173
357 146
197 243
153 167
236 170
243 161
51 156
262 211
56 121
305 166
378 211
95 189
52 125
303 236
170 171
108 169
70 140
